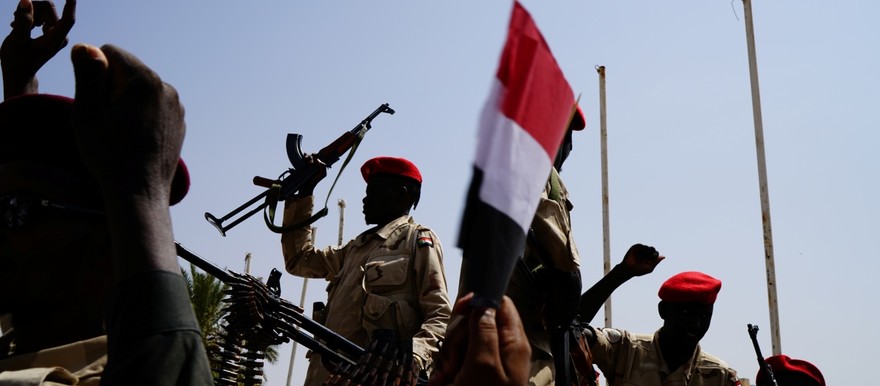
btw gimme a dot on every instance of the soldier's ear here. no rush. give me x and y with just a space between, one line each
408 194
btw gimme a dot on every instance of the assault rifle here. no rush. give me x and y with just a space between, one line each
292 179
765 368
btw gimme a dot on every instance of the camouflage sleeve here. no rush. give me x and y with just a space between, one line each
733 379
301 257
608 346
552 227
433 297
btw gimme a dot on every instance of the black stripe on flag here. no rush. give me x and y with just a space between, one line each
491 243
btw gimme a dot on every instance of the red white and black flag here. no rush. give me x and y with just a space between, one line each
522 125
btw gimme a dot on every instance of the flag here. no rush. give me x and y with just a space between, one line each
521 128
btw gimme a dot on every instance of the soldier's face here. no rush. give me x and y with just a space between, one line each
563 152
42 249
686 323
384 201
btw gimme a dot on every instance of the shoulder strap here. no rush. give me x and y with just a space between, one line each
412 241
555 193
413 247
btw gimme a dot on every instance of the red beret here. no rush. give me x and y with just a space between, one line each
687 287
578 121
37 128
180 183
783 364
390 165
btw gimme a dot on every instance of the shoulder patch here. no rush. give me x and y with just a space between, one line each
425 240
612 334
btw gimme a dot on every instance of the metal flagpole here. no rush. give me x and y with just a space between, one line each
341 204
603 139
302 302
762 180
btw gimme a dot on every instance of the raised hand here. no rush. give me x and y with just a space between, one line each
22 56
129 128
641 259
129 122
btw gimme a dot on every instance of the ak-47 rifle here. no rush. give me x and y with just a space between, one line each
765 368
256 317
292 179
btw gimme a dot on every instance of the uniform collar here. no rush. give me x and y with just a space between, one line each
385 231
688 367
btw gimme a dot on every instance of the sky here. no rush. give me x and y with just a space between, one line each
682 163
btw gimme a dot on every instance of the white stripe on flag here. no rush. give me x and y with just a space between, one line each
515 166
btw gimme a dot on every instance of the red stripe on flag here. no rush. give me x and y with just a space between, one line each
537 95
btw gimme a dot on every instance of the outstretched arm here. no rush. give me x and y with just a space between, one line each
639 260
22 56
130 128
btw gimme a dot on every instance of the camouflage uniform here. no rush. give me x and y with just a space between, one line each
552 228
79 363
635 359
392 278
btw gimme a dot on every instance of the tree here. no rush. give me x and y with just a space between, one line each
206 293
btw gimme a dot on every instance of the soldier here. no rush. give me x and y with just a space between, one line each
546 285
672 354
85 232
90 282
791 372
389 277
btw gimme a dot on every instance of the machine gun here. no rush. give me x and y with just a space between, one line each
765 368
292 179
256 317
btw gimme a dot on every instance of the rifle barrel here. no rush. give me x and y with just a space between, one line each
287 309
203 264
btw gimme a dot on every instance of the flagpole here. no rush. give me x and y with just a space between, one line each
762 180
302 302
341 204
606 236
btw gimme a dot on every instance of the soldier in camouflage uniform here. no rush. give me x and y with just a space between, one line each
546 285
389 277
672 355
88 277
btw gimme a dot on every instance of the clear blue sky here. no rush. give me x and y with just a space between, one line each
683 170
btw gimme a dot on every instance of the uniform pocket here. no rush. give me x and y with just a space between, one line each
386 271
384 313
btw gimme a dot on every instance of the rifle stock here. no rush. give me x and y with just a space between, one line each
292 179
